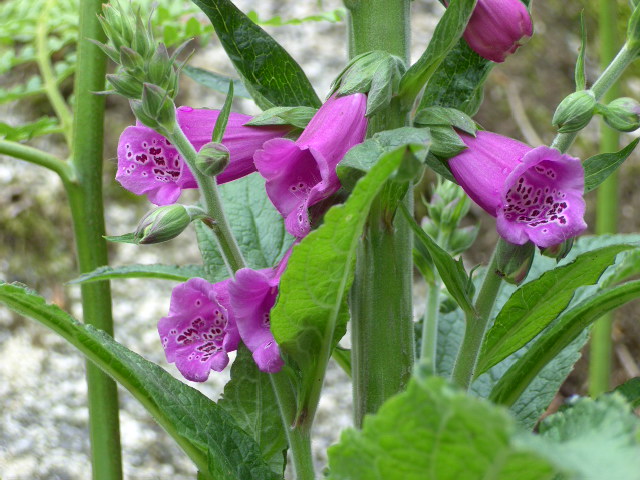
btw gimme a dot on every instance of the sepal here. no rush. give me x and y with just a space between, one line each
212 159
513 262
575 111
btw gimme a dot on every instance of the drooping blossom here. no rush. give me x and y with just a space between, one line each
302 173
536 194
253 294
149 164
200 329
497 27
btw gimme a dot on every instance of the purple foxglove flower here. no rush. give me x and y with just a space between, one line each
200 328
149 164
535 193
496 28
253 294
302 173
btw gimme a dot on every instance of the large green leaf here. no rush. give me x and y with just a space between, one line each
250 399
272 77
536 304
165 272
311 314
596 439
435 432
444 38
551 342
205 431
257 226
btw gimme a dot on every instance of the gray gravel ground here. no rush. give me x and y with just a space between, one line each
43 412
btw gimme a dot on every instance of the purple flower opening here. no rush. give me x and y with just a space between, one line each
149 164
302 173
496 28
200 329
536 194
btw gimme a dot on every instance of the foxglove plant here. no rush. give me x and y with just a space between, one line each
148 164
535 193
302 173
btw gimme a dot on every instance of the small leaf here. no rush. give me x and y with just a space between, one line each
296 116
452 272
567 328
435 432
126 238
630 390
164 272
215 81
270 74
443 116
223 117
598 168
445 142
534 305
581 82
205 432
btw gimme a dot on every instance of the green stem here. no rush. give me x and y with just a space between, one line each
430 324
48 78
85 198
381 308
607 208
607 79
37 157
296 427
211 203
476 326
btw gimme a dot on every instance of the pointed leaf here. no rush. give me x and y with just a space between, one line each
203 430
215 81
598 168
536 304
270 74
165 272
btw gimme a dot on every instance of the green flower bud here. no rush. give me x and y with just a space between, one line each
622 114
448 205
575 111
558 251
162 224
212 159
158 106
375 73
130 59
126 85
514 261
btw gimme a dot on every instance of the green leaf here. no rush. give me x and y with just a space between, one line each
459 80
581 82
435 432
205 432
165 272
332 16
272 77
126 238
452 272
567 328
311 313
630 390
445 142
223 117
250 399
43 126
215 81
598 168
445 117
536 304
296 116
359 160
596 439
446 34
257 226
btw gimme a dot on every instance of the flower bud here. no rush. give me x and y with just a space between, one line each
162 224
575 111
130 59
158 107
375 73
126 85
558 251
212 159
448 205
622 114
514 261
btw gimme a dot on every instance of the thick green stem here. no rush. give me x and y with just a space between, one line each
211 203
43 58
476 326
430 325
607 208
381 309
37 157
298 432
85 197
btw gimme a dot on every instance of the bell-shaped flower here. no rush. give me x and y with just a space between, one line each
497 27
253 294
200 329
302 173
536 194
149 164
